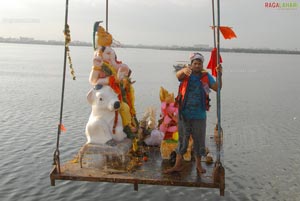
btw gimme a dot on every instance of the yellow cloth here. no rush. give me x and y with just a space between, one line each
125 114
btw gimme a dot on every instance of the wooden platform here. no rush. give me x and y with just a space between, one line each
147 172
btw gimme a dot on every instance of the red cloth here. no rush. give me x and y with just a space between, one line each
212 64
115 86
168 136
227 32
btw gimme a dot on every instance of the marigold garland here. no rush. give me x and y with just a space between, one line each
67 43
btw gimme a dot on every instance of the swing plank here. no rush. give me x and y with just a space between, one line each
149 172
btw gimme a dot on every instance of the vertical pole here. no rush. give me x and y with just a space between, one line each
56 153
219 79
107 15
214 23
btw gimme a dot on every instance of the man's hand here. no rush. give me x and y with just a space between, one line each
187 70
219 69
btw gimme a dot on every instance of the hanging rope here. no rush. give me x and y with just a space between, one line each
56 159
107 15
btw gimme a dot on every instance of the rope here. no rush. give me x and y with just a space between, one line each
56 159
107 15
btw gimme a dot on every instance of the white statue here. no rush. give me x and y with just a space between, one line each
105 122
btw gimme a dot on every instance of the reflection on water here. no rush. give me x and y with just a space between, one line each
260 119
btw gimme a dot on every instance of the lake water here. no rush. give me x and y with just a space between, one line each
260 119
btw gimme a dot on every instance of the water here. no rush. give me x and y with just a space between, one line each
260 119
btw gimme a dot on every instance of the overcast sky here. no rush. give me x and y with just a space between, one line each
155 22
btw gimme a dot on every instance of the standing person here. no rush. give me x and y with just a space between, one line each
193 102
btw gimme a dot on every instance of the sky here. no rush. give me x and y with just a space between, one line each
156 22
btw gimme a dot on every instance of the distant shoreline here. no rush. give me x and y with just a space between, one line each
86 44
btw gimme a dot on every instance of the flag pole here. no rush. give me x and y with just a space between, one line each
214 23
219 171
219 80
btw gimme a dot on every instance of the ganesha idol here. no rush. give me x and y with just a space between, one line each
104 54
168 125
169 112
107 70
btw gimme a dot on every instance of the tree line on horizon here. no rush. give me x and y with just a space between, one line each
25 40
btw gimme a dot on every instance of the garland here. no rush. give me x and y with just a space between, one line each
67 42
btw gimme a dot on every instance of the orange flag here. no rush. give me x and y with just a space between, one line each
62 128
227 32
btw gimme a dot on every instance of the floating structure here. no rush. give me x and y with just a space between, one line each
130 161
139 171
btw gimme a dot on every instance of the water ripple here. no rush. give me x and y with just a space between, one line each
261 135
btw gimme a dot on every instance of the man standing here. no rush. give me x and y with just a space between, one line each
193 101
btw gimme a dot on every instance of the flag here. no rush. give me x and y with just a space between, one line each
212 64
62 128
227 32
